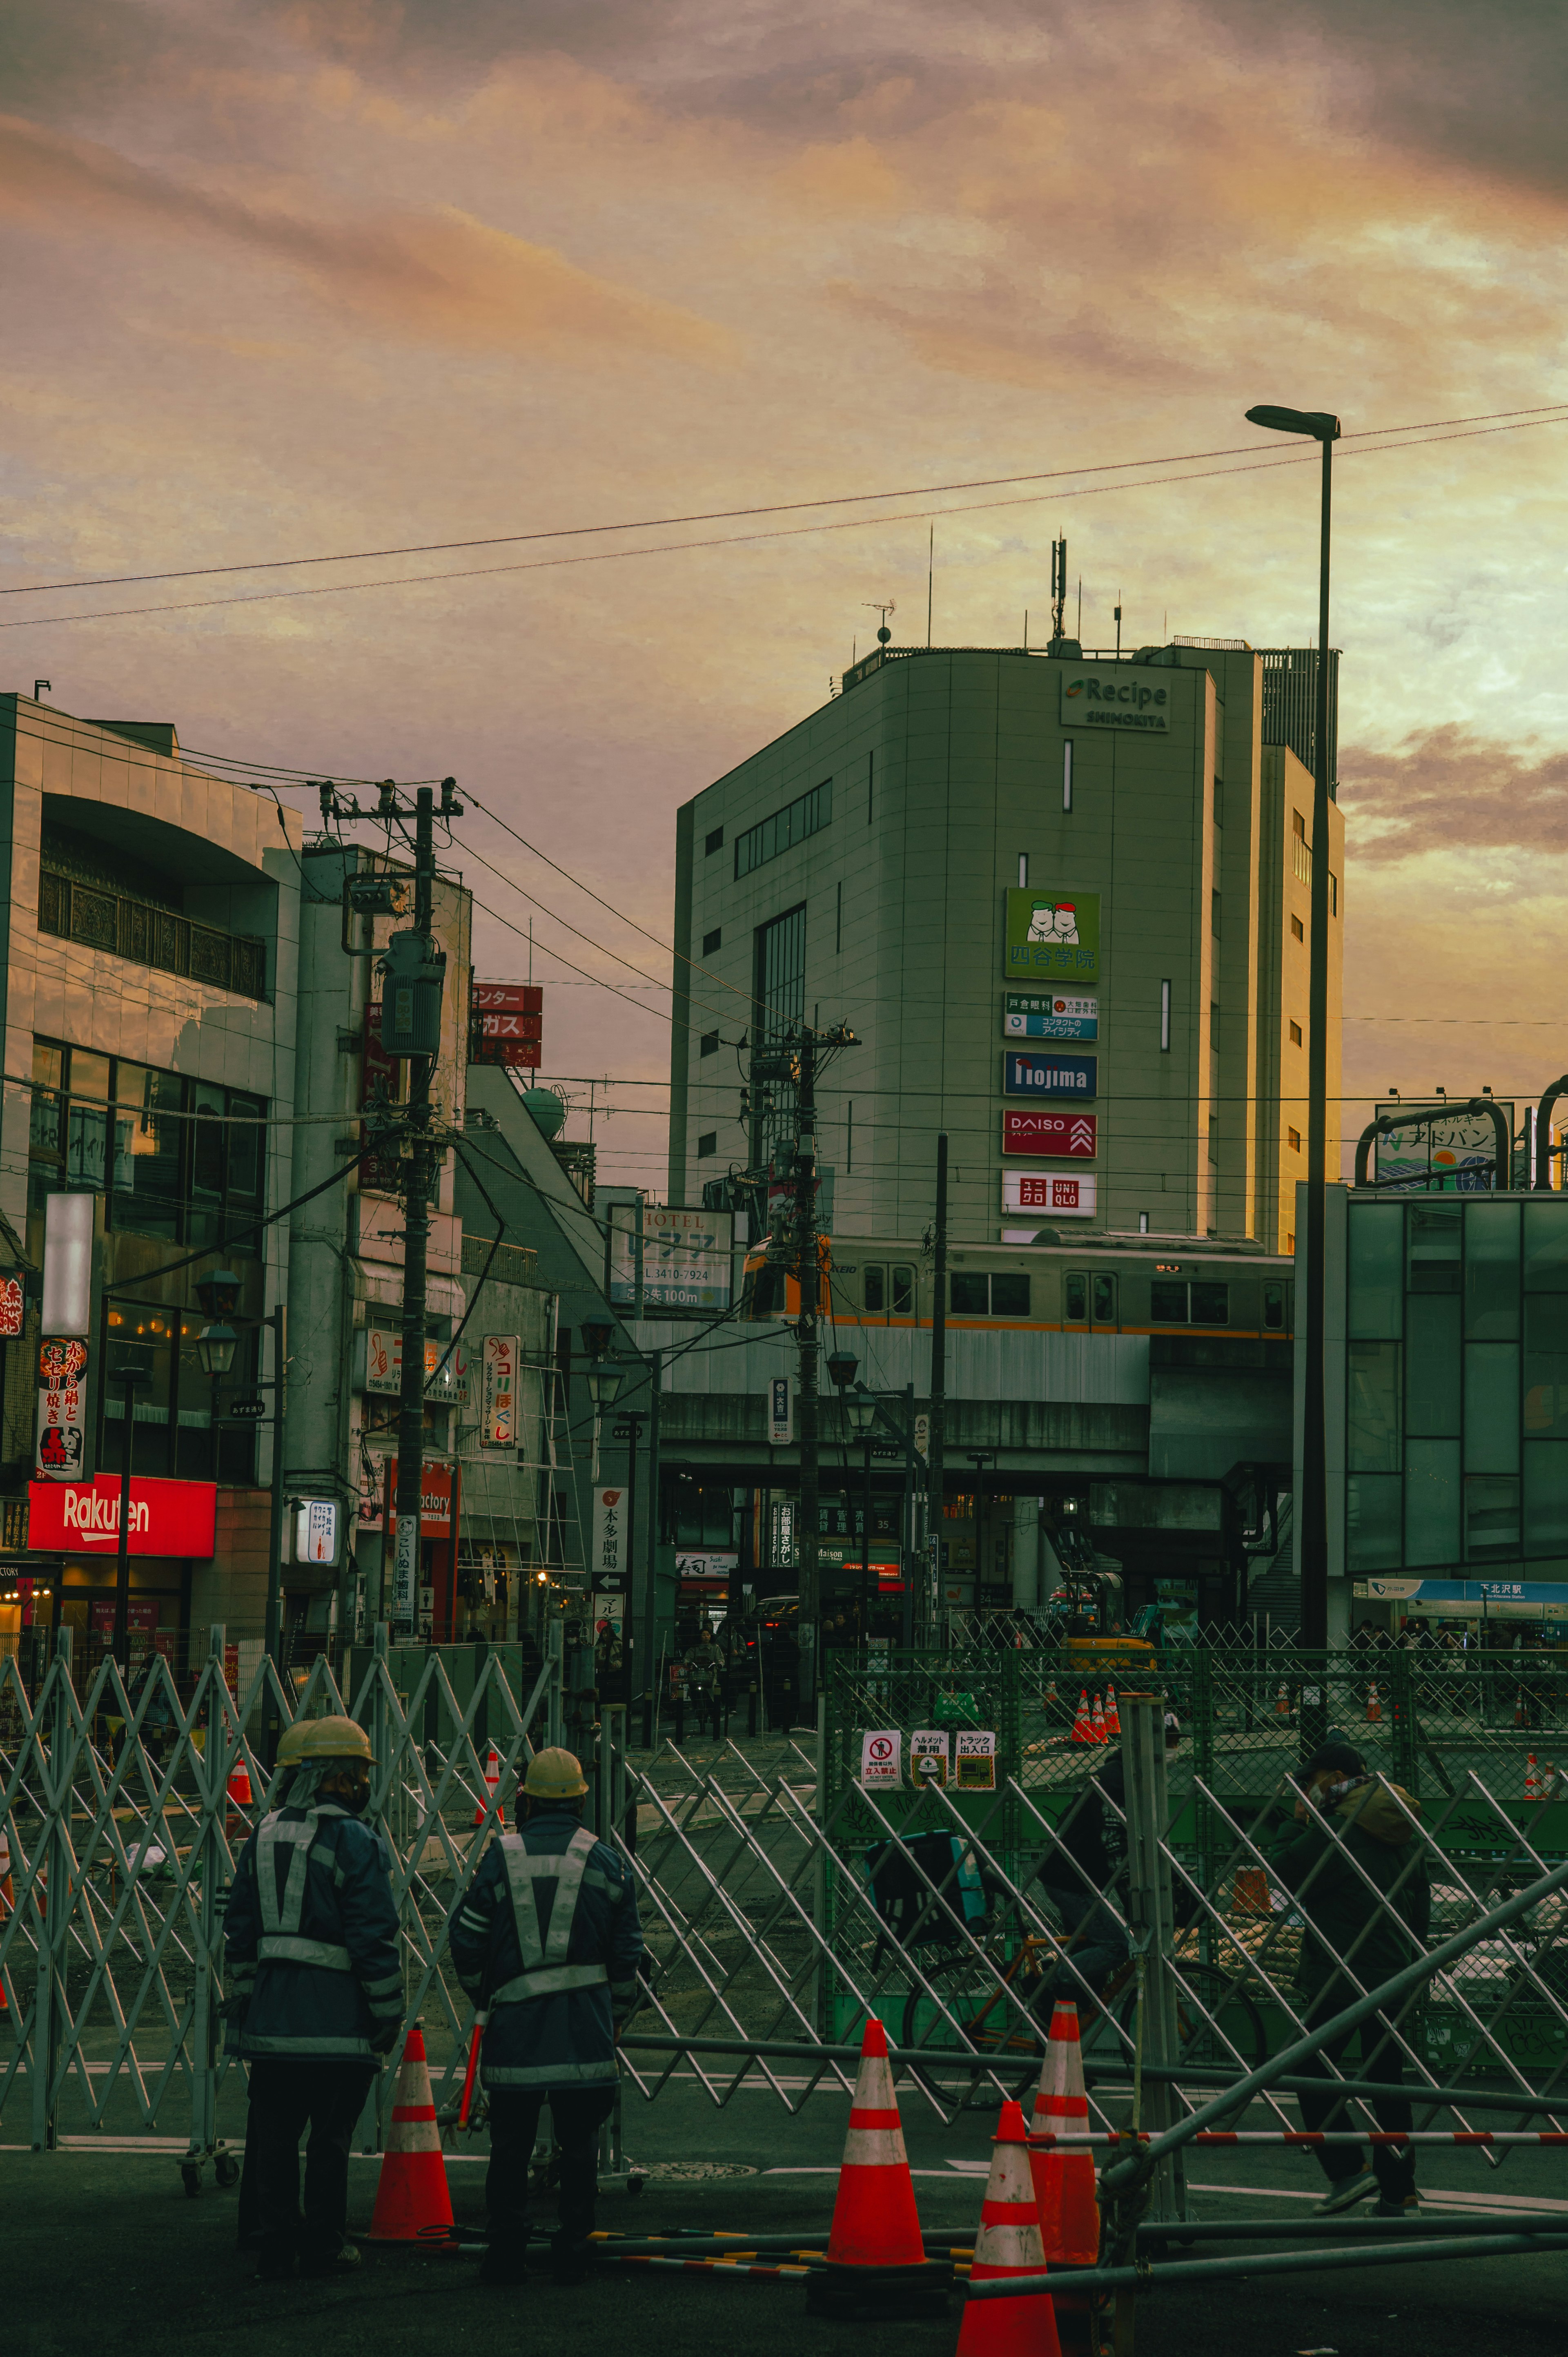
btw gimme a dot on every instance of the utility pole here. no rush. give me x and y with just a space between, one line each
934 1470
416 1254
806 1428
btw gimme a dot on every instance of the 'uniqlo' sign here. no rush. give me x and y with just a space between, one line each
508 1022
176 1518
1067 1137
1065 1197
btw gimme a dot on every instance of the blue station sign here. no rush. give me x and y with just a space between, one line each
1027 1075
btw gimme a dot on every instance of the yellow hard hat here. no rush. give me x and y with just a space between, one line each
554 1775
322 1738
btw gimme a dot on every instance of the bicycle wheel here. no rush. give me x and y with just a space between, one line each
947 2047
1218 2026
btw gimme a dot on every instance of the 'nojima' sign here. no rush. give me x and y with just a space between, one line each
1027 1075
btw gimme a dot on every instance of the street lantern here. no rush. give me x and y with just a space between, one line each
215 1348
861 1408
218 1294
603 1382
842 1365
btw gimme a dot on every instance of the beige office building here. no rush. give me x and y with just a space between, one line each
1062 901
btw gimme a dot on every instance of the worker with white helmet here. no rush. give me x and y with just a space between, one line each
315 1987
547 1938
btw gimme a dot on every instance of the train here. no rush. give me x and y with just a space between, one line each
1102 1283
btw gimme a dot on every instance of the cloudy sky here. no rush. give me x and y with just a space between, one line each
299 277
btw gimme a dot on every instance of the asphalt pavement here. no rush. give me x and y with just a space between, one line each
100 2250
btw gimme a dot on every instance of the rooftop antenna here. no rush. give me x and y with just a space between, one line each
930 576
1058 587
1118 613
883 607
1080 623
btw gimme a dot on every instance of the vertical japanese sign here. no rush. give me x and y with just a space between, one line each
62 1411
497 1415
403 1562
609 1534
780 1412
11 1305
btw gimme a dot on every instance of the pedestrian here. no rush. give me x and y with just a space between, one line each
316 1988
1077 1871
547 1941
1350 1831
705 1666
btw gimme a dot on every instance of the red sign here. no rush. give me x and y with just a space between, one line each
434 1502
509 1023
11 1305
379 1075
84 1517
1068 1136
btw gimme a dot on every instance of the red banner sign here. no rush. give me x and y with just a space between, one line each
434 1502
509 1023
1069 1136
175 1518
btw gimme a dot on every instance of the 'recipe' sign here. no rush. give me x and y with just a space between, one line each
1115 695
171 1518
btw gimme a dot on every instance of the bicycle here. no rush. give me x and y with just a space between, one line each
962 2010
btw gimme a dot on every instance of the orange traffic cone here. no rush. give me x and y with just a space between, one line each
492 1786
1009 2243
876 2266
1531 1779
1282 1702
411 2193
1099 1734
1113 1719
1374 1707
1082 1725
1064 2182
238 1795
1250 1893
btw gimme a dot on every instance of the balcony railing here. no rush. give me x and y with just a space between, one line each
148 935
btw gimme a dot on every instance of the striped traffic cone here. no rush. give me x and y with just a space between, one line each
1112 1718
411 2192
1282 1702
876 2267
1082 1725
1099 1734
1064 2181
1009 2243
238 1795
1531 1779
492 1786
1374 1706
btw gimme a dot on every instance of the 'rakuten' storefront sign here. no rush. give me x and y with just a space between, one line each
176 1518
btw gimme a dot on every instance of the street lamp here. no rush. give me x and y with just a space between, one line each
130 1367
215 1347
861 1407
1313 1506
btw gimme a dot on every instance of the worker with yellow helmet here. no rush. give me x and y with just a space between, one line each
547 1939
315 1988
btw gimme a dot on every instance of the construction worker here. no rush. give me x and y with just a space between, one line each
316 1988
548 1942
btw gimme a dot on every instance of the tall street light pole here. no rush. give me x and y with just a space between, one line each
1312 1509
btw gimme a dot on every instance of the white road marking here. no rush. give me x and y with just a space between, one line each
1432 2197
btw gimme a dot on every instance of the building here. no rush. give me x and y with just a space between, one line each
1446 1406
1062 902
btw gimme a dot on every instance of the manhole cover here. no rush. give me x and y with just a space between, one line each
687 2172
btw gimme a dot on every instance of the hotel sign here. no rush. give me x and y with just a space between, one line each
1115 695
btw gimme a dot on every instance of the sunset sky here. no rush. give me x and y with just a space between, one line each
289 280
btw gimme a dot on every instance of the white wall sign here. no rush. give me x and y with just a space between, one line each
1055 1195
929 1756
498 1420
62 1454
383 1358
880 1757
976 1761
407 1549
315 1531
611 1554
780 1412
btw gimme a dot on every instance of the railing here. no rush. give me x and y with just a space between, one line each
148 935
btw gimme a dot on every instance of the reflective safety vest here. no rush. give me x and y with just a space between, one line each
545 1972
281 1942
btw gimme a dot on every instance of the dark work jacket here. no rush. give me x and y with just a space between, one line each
553 2013
1365 1826
315 1952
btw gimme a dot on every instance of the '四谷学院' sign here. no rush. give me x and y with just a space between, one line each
1115 695
1053 935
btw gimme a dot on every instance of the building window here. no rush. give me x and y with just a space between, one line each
1210 1303
806 815
175 1158
1290 1243
110 900
1213 1029
1167 1303
1333 893
709 1044
778 987
707 1143
1293 1139
1218 802
1067 774
711 941
1214 1137
1297 931
1296 1035
1164 1018
1214 914
990 1296
1301 856
1023 871
716 842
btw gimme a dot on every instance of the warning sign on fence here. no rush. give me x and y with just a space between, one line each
880 1757
929 1758
976 1765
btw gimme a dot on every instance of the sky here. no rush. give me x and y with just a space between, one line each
299 278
